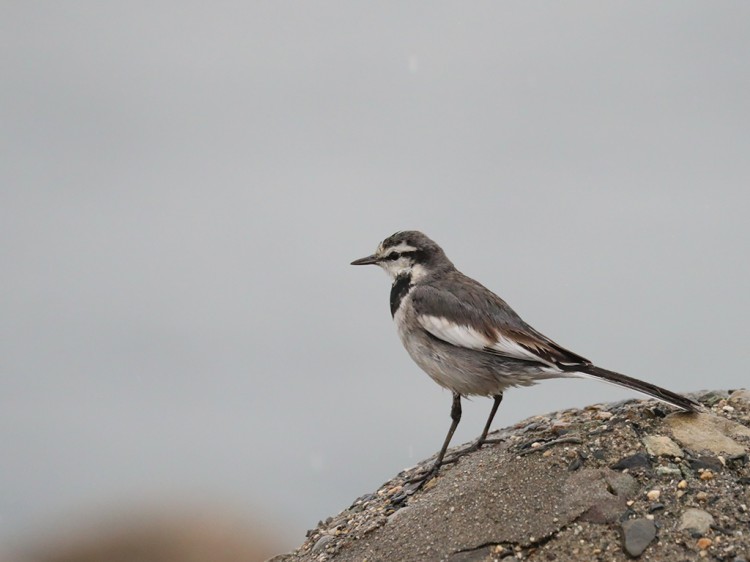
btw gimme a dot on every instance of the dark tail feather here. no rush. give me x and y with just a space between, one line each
646 388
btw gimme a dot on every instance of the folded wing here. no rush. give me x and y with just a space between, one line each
482 321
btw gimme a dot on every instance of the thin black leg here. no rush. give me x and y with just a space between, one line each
455 417
498 398
482 438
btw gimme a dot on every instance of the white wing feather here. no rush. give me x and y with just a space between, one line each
468 337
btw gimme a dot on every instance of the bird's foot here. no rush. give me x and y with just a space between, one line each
478 444
422 476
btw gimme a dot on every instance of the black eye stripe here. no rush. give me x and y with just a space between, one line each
416 255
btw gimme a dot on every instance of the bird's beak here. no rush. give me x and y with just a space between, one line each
366 261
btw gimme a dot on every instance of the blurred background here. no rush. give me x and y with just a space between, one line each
183 186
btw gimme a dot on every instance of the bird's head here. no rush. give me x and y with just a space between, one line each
407 252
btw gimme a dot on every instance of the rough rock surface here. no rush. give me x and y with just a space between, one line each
568 486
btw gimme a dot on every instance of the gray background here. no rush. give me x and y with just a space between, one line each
183 185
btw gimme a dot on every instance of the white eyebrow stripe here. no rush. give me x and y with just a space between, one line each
402 247
469 338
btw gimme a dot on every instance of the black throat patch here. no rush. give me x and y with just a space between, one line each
399 290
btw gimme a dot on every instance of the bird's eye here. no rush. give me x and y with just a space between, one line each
393 256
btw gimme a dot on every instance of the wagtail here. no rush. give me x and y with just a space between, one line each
469 340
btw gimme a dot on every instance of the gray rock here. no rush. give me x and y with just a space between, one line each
504 501
321 543
705 462
711 397
398 513
662 446
602 492
706 432
633 461
669 470
637 534
741 394
696 520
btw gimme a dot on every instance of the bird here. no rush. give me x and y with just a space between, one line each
470 341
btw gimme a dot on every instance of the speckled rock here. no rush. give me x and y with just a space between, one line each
708 432
696 520
661 446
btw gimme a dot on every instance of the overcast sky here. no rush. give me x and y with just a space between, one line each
183 186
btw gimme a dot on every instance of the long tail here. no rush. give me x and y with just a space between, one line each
597 373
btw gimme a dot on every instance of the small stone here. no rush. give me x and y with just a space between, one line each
707 475
633 461
637 535
702 462
713 396
728 408
701 496
662 446
696 520
622 484
604 415
398 513
321 543
704 543
670 470
653 495
575 464
682 484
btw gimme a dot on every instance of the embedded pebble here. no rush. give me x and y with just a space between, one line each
661 446
704 543
321 543
653 495
696 520
637 535
671 470
633 461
